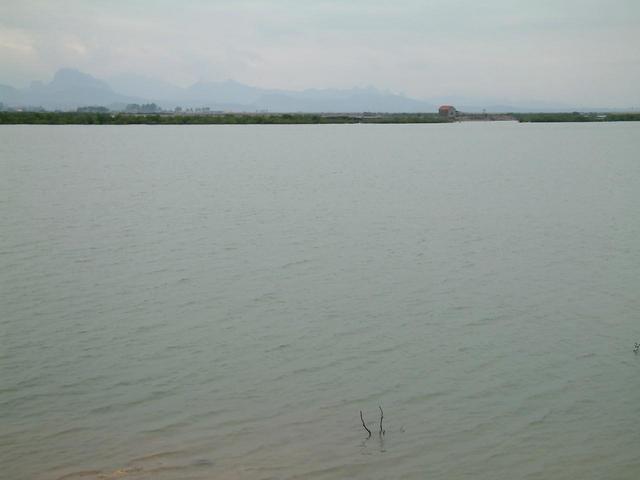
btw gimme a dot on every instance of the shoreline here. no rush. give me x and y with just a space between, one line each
100 118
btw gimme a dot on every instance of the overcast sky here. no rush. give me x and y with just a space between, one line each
580 52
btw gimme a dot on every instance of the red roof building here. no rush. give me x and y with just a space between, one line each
448 111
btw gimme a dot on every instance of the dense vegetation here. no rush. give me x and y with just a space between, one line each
576 117
97 118
623 117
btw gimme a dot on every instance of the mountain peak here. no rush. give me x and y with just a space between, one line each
71 78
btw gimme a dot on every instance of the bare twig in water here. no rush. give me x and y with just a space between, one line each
381 417
364 424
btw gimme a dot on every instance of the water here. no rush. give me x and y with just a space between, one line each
220 302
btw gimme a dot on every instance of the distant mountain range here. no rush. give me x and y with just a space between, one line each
70 89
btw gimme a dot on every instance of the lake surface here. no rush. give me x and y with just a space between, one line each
220 302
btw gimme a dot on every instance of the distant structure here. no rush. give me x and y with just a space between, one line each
447 111
93 109
144 108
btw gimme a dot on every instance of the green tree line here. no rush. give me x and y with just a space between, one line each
99 118
576 117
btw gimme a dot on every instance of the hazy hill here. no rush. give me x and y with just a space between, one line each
67 90
70 89
232 95
143 87
9 95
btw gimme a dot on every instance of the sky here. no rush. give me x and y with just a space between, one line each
570 52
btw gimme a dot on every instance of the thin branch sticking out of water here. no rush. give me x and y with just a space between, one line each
381 417
364 424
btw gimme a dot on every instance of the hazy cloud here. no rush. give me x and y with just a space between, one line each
582 52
